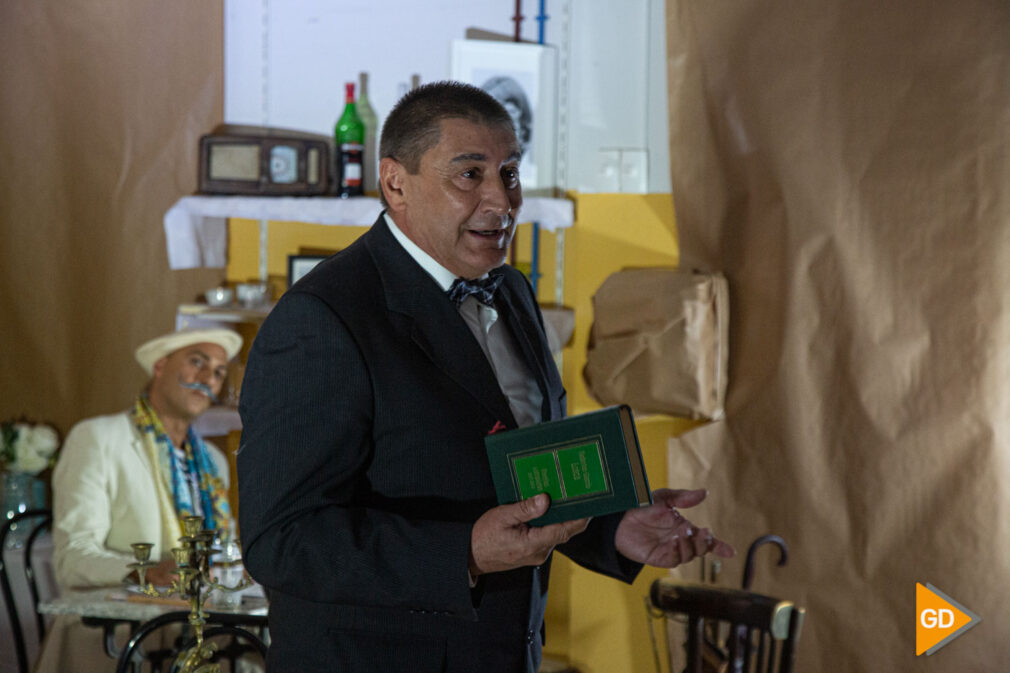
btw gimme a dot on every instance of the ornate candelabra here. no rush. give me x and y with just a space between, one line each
193 582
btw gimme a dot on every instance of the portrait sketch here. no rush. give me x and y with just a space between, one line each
512 95
522 78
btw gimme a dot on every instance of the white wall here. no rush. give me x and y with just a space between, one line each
286 62
617 106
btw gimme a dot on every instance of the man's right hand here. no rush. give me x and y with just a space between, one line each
160 575
502 540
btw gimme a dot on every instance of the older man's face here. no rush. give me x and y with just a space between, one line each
460 206
181 381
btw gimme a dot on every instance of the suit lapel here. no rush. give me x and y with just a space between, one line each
445 338
434 324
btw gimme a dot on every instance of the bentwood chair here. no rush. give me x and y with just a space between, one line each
241 641
37 521
731 630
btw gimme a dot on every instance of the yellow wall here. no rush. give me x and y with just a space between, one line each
283 239
292 238
597 624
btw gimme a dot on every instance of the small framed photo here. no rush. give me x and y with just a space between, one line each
299 265
523 77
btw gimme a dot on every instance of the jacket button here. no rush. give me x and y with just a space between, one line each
529 637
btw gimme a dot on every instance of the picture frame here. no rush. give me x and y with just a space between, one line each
299 265
523 77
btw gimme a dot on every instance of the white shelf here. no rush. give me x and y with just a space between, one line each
197 235
235 314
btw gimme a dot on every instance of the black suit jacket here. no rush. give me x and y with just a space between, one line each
362 468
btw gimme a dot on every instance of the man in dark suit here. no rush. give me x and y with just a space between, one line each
366 503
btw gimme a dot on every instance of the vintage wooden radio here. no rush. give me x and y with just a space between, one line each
258 160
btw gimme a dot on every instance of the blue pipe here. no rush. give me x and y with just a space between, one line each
535 261
535 258
541 19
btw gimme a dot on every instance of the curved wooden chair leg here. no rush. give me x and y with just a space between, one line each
132 646
231 652
44 521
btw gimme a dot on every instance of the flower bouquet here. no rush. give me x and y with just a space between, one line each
25 450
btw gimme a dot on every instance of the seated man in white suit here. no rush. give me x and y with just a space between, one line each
131 477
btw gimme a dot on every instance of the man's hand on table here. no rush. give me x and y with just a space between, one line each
160 575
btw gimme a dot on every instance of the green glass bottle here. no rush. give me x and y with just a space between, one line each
349 137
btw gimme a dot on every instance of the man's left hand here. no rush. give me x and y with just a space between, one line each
659 535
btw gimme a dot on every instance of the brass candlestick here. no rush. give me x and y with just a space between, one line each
193 582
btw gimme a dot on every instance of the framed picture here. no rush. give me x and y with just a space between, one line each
299 265
523 77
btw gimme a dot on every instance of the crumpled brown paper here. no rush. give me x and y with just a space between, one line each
100 121
659 342
845 164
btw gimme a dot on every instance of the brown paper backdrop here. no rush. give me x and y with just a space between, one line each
101 111
846 164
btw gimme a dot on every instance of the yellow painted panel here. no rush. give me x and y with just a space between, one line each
283 239
607 621
292 238
604 623
612 232
547 259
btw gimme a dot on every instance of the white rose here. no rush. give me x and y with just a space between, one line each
19 444
44 441
33 448
30 463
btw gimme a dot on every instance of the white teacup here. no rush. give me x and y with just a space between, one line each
218 296
252 294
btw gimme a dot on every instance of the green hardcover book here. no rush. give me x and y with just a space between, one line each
590 464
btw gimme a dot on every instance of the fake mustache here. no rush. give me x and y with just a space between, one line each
200 387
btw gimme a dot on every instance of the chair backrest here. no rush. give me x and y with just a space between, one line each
37 520
743 631
242 640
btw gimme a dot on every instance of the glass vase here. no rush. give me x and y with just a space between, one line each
17 494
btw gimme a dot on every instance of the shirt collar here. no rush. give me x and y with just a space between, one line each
442 275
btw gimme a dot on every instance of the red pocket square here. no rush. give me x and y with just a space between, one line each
498 425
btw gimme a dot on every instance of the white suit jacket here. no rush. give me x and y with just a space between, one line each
104 499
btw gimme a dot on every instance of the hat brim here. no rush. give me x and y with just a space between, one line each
155 349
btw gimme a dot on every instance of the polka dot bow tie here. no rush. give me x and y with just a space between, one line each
482 289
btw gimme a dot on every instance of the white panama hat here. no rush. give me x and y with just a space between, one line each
159 347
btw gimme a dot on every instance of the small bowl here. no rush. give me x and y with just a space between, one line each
252 294
218 296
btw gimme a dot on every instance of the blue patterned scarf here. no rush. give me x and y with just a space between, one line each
195 459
